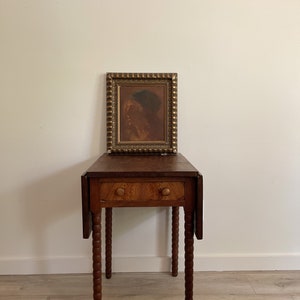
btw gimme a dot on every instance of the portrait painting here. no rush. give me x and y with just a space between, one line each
142 112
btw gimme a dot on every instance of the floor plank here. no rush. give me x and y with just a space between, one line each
277 285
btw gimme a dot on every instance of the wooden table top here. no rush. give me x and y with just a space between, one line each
141 165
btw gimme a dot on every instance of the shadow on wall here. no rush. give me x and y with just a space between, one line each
47 205
143 229
44 206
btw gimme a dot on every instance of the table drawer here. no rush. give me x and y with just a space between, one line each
141 191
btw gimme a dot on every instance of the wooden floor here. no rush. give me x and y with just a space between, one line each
137 286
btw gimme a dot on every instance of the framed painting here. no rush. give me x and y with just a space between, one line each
141 113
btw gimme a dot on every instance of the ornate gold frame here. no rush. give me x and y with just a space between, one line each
141 113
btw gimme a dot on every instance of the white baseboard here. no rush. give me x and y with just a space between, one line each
248 262
216 262
45 265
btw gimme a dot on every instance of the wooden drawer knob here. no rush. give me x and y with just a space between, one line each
165 191
120 191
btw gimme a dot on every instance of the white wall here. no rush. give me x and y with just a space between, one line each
239 118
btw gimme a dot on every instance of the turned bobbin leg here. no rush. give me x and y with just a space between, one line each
97 281
175 238
108 241
189 253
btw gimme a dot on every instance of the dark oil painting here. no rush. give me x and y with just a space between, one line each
142 113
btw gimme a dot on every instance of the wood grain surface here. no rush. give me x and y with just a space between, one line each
269 285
